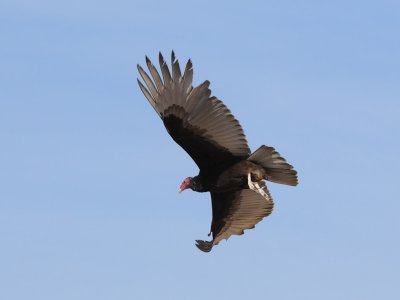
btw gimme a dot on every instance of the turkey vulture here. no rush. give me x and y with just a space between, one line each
205 128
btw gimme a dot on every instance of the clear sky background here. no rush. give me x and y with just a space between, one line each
89 207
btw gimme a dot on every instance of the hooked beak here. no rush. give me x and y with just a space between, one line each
182 188
185 184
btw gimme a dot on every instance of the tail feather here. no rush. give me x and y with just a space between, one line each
275 166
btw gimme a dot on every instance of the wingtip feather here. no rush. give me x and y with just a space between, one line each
204 245
173 58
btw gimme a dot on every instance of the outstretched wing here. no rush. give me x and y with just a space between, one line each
202 125
235 212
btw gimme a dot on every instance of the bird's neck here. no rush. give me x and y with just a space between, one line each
198 185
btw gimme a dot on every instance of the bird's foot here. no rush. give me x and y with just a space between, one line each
256 187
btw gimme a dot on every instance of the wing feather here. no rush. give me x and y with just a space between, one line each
202 125
187 77
176 70
154 73
235 212
164 69
147 94
148 82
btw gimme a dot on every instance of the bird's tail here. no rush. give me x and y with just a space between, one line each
275 166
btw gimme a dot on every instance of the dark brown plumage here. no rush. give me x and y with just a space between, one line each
205 128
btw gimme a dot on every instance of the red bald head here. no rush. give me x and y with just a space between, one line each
185 184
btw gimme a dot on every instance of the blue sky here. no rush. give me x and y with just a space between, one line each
89 207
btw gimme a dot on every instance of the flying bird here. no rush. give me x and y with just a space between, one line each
206 129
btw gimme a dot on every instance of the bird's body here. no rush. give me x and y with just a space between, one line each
205 128
232 179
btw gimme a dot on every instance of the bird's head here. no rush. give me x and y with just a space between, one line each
187 183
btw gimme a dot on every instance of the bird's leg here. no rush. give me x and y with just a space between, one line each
250 183
256 187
